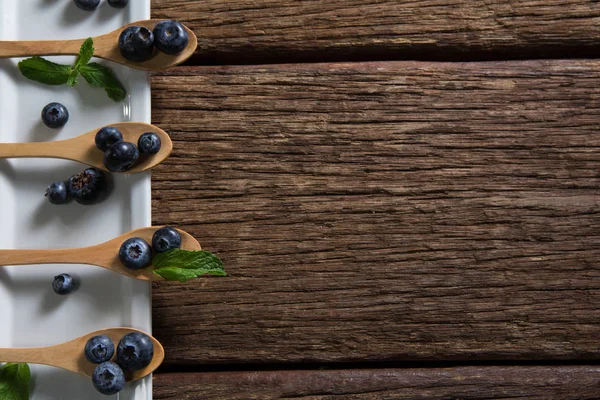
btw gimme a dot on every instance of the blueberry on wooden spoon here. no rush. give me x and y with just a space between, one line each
108 378
135 253
166 238
170 37
99 349
121 156
136 43
107 136
135 351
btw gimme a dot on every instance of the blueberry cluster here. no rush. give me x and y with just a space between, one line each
119 155
91 5
134 352
135 253
138 43
86 187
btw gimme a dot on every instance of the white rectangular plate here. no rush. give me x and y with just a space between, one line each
31 314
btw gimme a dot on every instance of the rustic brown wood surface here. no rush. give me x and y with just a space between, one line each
252 31
382 211
475 383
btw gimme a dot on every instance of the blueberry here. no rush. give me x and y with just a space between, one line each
121 156
57 193
170 37
87 186
136 43
87 5
108 378
135 253
118 3
166 238
135 351
99 349
108 136
149 143
63 284
55 115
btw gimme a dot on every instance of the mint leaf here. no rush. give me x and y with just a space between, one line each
183 265
86 51
14 381
101 76
41 70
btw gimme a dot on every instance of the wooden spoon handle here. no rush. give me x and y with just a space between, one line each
49 256
39 48
34 355
34 149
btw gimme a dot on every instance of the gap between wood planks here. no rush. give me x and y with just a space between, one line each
173 369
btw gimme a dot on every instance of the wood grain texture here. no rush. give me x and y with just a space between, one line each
254 31
474 383
383 211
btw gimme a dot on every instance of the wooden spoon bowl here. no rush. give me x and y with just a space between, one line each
71 355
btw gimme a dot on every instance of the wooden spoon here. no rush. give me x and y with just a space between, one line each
70 355
105 255
105 46
83 148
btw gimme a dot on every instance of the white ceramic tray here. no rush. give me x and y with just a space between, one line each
30 313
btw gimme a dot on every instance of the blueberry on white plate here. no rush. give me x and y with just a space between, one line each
63 284
87 5
55 115
87 186
57 193
118 3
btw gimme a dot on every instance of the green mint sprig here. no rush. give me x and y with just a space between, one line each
14 381
183 265
43 71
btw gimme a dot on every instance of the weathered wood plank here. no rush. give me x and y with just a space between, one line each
383 211
474 383
251 31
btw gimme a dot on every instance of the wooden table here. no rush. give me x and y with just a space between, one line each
404 193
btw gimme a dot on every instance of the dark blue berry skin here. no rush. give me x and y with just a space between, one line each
55 115
136 43
57 193
107 136
63 284
149 143
108 378
121 156
87 186
166 238
135 253
135 351
118 3
99 349
170 37
87 5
